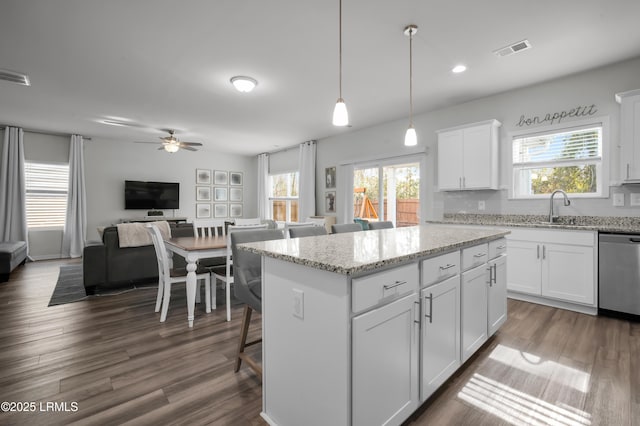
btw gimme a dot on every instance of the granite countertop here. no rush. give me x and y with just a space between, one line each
618 224
357 252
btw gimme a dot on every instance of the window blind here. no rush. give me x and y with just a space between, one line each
571 145
46 194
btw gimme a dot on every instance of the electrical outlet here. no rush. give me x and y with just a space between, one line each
481 205
618 199
634 199
298 303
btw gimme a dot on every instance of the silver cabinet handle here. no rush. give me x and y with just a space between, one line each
627 170
538 252
502 247
430 316
490 269
449 266
396 284
495 273
417 321
544 252
480 255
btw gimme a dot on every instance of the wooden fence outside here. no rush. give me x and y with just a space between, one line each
406 211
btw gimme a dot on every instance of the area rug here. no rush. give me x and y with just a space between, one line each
70 287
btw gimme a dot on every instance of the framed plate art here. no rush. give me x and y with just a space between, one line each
203 210
330 201
220 210
235 194
220 194
220 177
203 193
235 210
203 177
235 178
330 177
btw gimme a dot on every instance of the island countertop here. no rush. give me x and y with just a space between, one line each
358 252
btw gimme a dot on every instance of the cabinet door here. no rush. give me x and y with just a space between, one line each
497 308
523 268
450 160
474 310
630 137
568 273
385 363
440 334
477 164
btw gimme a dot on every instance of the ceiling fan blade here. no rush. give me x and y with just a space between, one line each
191 143
188 148
155 143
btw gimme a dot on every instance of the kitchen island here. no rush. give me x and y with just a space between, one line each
361 328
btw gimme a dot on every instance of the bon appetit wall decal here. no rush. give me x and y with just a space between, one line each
557 117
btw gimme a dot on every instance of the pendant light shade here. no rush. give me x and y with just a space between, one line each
410 138
340 114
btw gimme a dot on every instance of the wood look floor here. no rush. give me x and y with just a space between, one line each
113 357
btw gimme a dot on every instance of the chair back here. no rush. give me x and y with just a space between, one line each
385 224
248 221
247 268
161 251
307 231
208 228
346 227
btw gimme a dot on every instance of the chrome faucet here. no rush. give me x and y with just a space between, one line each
553 218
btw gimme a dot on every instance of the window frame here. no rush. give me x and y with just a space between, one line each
602 165
61 226
288 198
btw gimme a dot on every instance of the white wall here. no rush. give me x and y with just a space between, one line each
592 87
109 163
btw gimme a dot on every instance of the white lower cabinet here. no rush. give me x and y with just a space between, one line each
385 363
474 310
497 298
558 265
440 334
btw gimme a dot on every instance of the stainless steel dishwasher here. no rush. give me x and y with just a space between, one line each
619 274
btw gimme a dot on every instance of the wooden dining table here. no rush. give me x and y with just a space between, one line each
193 249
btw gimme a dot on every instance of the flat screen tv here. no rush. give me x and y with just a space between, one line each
151 195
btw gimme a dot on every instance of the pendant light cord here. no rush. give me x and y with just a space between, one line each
410 77
340 47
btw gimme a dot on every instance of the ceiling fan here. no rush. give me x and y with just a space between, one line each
172 144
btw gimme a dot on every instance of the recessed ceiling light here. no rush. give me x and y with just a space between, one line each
14 77
244 84
459 68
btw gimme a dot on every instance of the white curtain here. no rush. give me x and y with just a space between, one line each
13 211
307 183
264 212
75 228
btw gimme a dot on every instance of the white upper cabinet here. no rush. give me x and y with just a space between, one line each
468 157
629 135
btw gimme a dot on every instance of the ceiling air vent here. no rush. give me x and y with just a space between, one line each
14 77
513 48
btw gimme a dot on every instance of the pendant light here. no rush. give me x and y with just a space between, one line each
410 138
340 114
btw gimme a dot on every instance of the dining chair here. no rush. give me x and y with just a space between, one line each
226 274
248 287
168 276
307 231
345 227
290 225
208 228
248 221
385 224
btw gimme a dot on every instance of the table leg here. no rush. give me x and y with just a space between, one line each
191 289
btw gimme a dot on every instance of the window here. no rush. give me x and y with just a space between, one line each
568 159
46 198
284 196
400 183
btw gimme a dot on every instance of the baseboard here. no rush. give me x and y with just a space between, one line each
589 310
46 257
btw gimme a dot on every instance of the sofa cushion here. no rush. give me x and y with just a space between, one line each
12 253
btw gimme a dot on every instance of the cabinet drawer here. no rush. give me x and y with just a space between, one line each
474 256
440 267
497 247
384 286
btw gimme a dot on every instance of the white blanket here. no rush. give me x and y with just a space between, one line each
136 234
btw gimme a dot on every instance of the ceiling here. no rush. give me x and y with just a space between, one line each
166 64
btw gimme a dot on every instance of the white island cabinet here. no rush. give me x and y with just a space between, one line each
347 335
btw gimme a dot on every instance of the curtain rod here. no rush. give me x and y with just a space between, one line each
42 132
288 148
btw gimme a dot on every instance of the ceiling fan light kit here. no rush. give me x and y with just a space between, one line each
340 114
171 147
410 137
244 84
